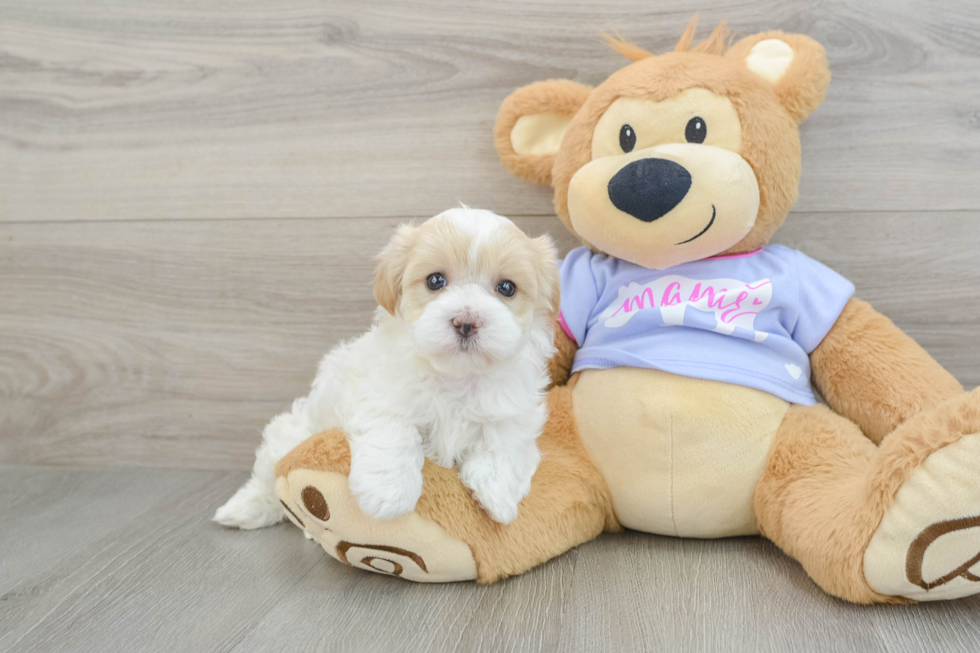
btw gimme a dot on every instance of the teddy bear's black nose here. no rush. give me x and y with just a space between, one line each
649 188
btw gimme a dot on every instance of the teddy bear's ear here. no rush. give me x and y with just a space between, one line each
531 123
794 65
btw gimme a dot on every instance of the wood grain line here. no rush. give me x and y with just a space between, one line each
156 110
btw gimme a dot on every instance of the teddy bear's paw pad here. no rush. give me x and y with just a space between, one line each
927 547
410 546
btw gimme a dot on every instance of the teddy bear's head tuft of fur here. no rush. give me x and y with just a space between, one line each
676 157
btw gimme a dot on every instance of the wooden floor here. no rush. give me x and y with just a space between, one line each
191 193
107 560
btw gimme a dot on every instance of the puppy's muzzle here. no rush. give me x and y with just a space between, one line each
466 325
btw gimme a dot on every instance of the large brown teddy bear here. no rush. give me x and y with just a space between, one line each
689 410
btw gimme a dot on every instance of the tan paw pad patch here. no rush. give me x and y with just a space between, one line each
389 560
940 543
927 547
409 546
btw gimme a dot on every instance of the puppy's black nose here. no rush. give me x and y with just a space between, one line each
465 329
649 188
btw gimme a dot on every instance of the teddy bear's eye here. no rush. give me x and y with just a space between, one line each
435 281
696 130
627 138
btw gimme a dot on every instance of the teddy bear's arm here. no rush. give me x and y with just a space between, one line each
561 363
872 373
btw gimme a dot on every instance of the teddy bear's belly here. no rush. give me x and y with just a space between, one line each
682 456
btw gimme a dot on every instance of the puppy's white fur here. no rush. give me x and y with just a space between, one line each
412 386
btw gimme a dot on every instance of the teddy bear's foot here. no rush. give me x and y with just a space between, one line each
448 537
892 523
412 547
927 546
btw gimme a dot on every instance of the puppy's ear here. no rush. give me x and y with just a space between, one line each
391 267
531 123
795 66
546 267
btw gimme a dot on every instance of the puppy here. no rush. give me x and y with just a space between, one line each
454 368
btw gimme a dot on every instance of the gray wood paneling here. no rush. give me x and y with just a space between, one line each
237 109
126 560
172 344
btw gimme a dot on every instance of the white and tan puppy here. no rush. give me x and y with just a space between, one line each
454 368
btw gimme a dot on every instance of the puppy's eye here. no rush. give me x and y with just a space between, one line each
627 138
696 130
435 281
507 288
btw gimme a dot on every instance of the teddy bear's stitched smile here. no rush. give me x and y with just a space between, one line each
714 214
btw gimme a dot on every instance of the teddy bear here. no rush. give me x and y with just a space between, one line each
691 354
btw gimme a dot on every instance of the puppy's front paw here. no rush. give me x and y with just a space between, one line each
498 493
385 493
501 509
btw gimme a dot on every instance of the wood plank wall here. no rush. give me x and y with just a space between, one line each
191 192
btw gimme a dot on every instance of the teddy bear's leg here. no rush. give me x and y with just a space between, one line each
892 523
448 537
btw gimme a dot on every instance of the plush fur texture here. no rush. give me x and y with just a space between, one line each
801 89
812 501
874 375
908 446
717 43
420 383
557 96
561 363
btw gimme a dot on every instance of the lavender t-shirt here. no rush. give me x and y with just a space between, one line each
749 319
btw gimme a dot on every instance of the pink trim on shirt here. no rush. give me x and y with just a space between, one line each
564 327
745 255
